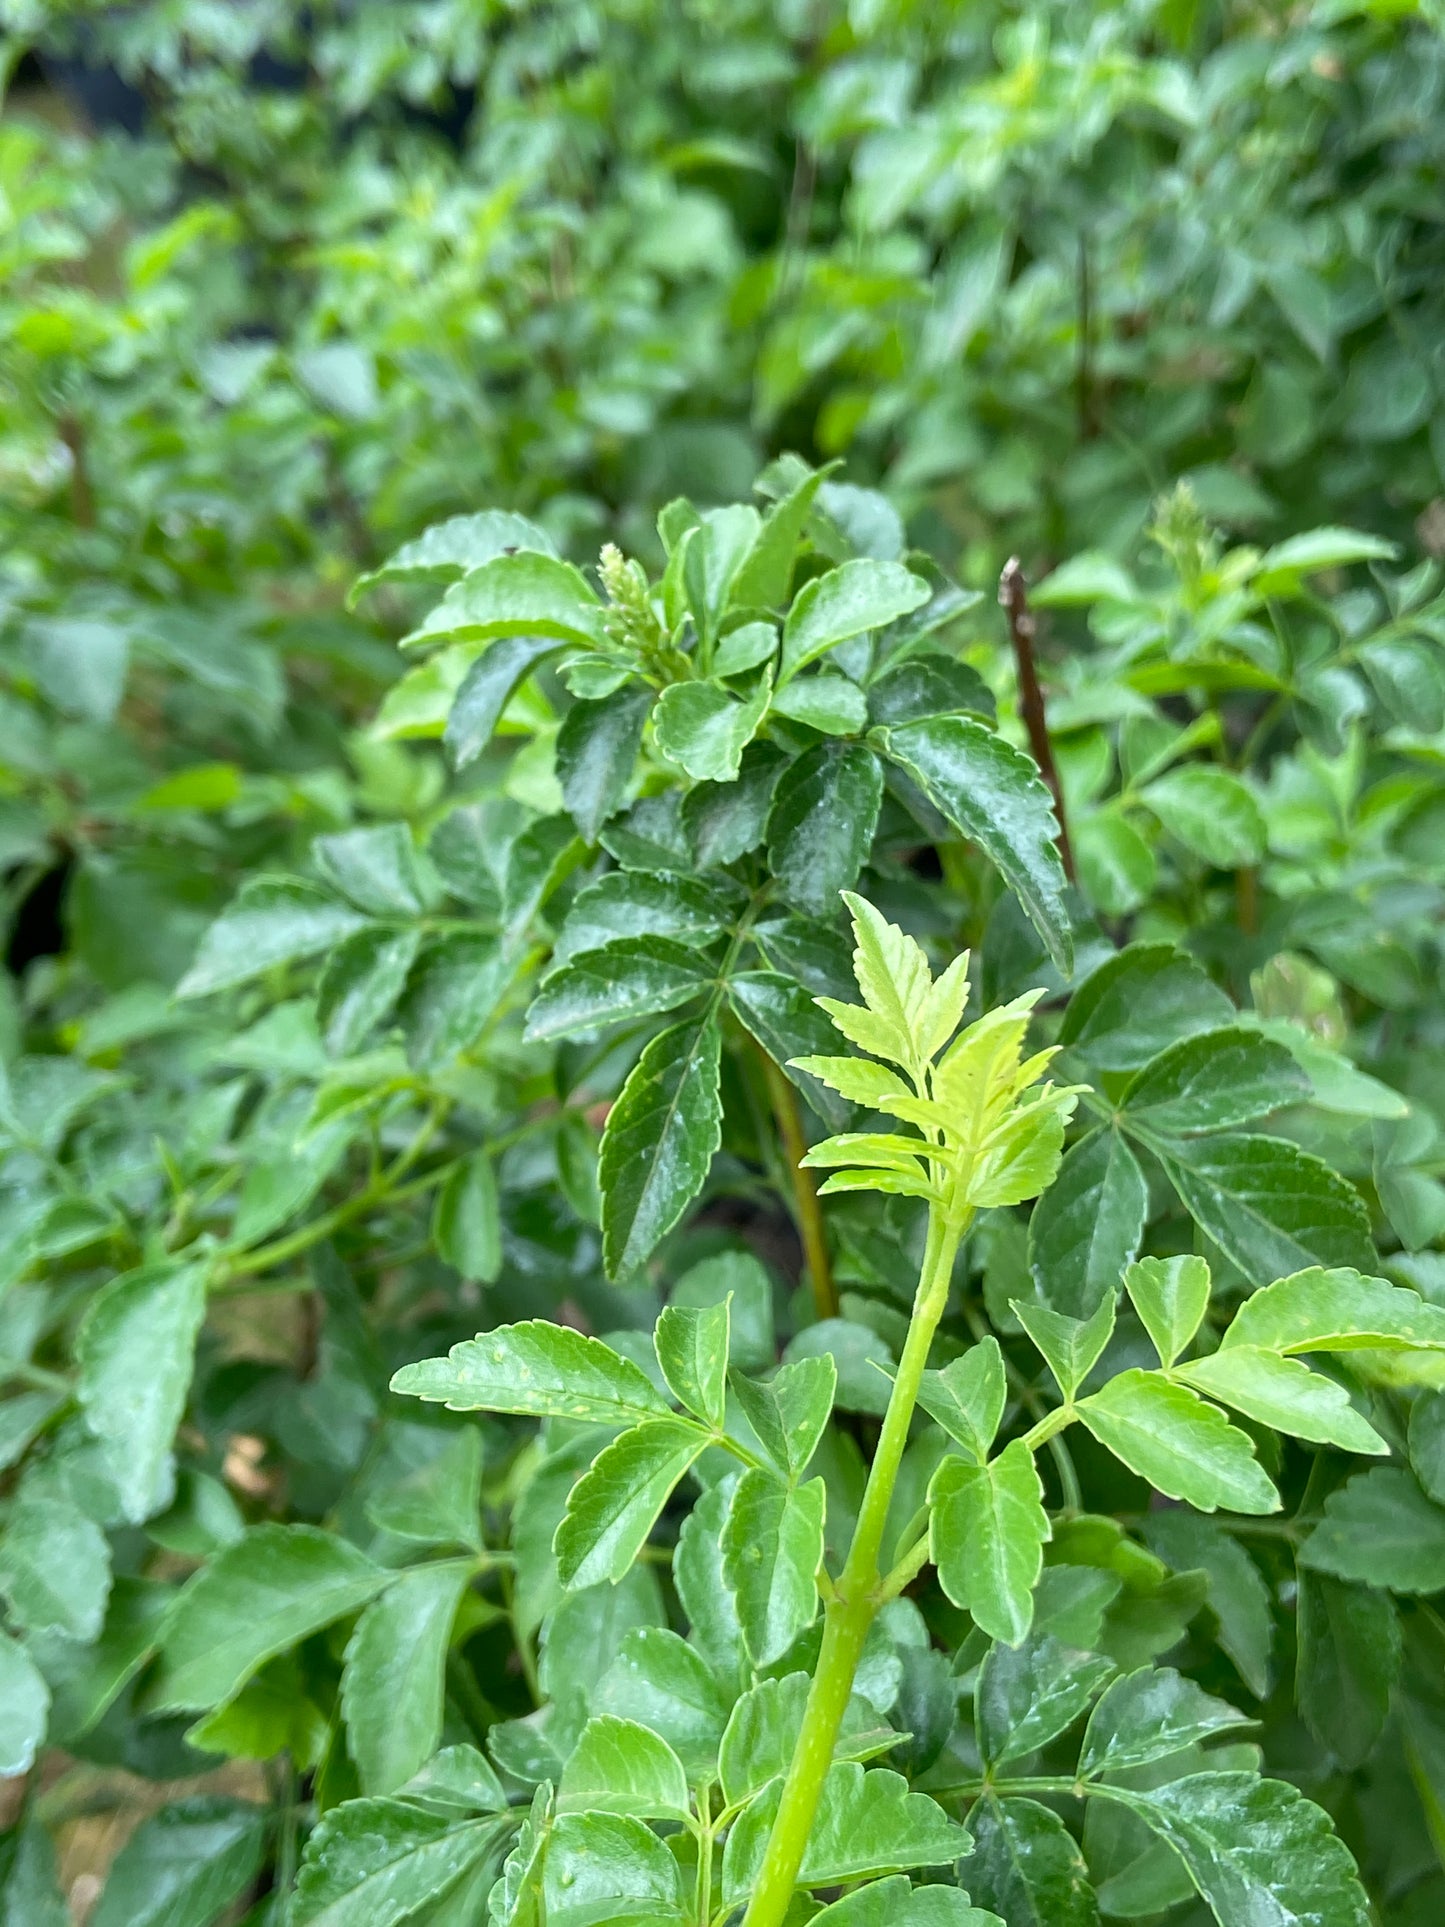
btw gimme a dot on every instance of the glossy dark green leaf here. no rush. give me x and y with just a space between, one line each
485 691
993 794
1348 1663
1213 1080
1272 1208
1257 1850
1026 1867
379 869
786 1021
1237 1594
454 987
725 820
1086 1227
1031 1693
659 1142
448 550
1139 1002
704 728
624 903
1148 1715
632 977
597 747
821 823
466 1222
847 601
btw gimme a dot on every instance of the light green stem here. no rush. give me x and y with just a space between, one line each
858 1594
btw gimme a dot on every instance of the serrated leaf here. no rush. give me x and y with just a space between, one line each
1348 1663
618 1766
188 1863
894 1902
1026 1866
659 1142
633 977
1338 1310
1272 1208
597 749
664 1684
466 1222
867 1822
538 1370
254 1599
788 1413
1071 1346
485 690
1380 1529
615 1504
393 1684
450 549
820 826
1171 1296
1213 1080
1087 1225
704 728
637 904
136 1352
609 1867
1138 1002
1146 1716
1029 1694
375 1863
968 1396
692 1351
1257 1850
1184 1448
359 987
526 594
725 820
772 1547
454 987
848 601
831 704
986 1533
1284 1394
993 794
273 921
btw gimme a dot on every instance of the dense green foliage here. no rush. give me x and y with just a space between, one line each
663 1255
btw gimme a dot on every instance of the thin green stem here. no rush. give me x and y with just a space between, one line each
859 1592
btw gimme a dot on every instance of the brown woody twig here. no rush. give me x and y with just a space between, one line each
1014 599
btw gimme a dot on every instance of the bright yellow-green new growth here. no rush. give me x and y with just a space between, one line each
988 1136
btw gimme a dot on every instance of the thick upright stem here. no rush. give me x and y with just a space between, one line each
858 1594
1013 594
805 1194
